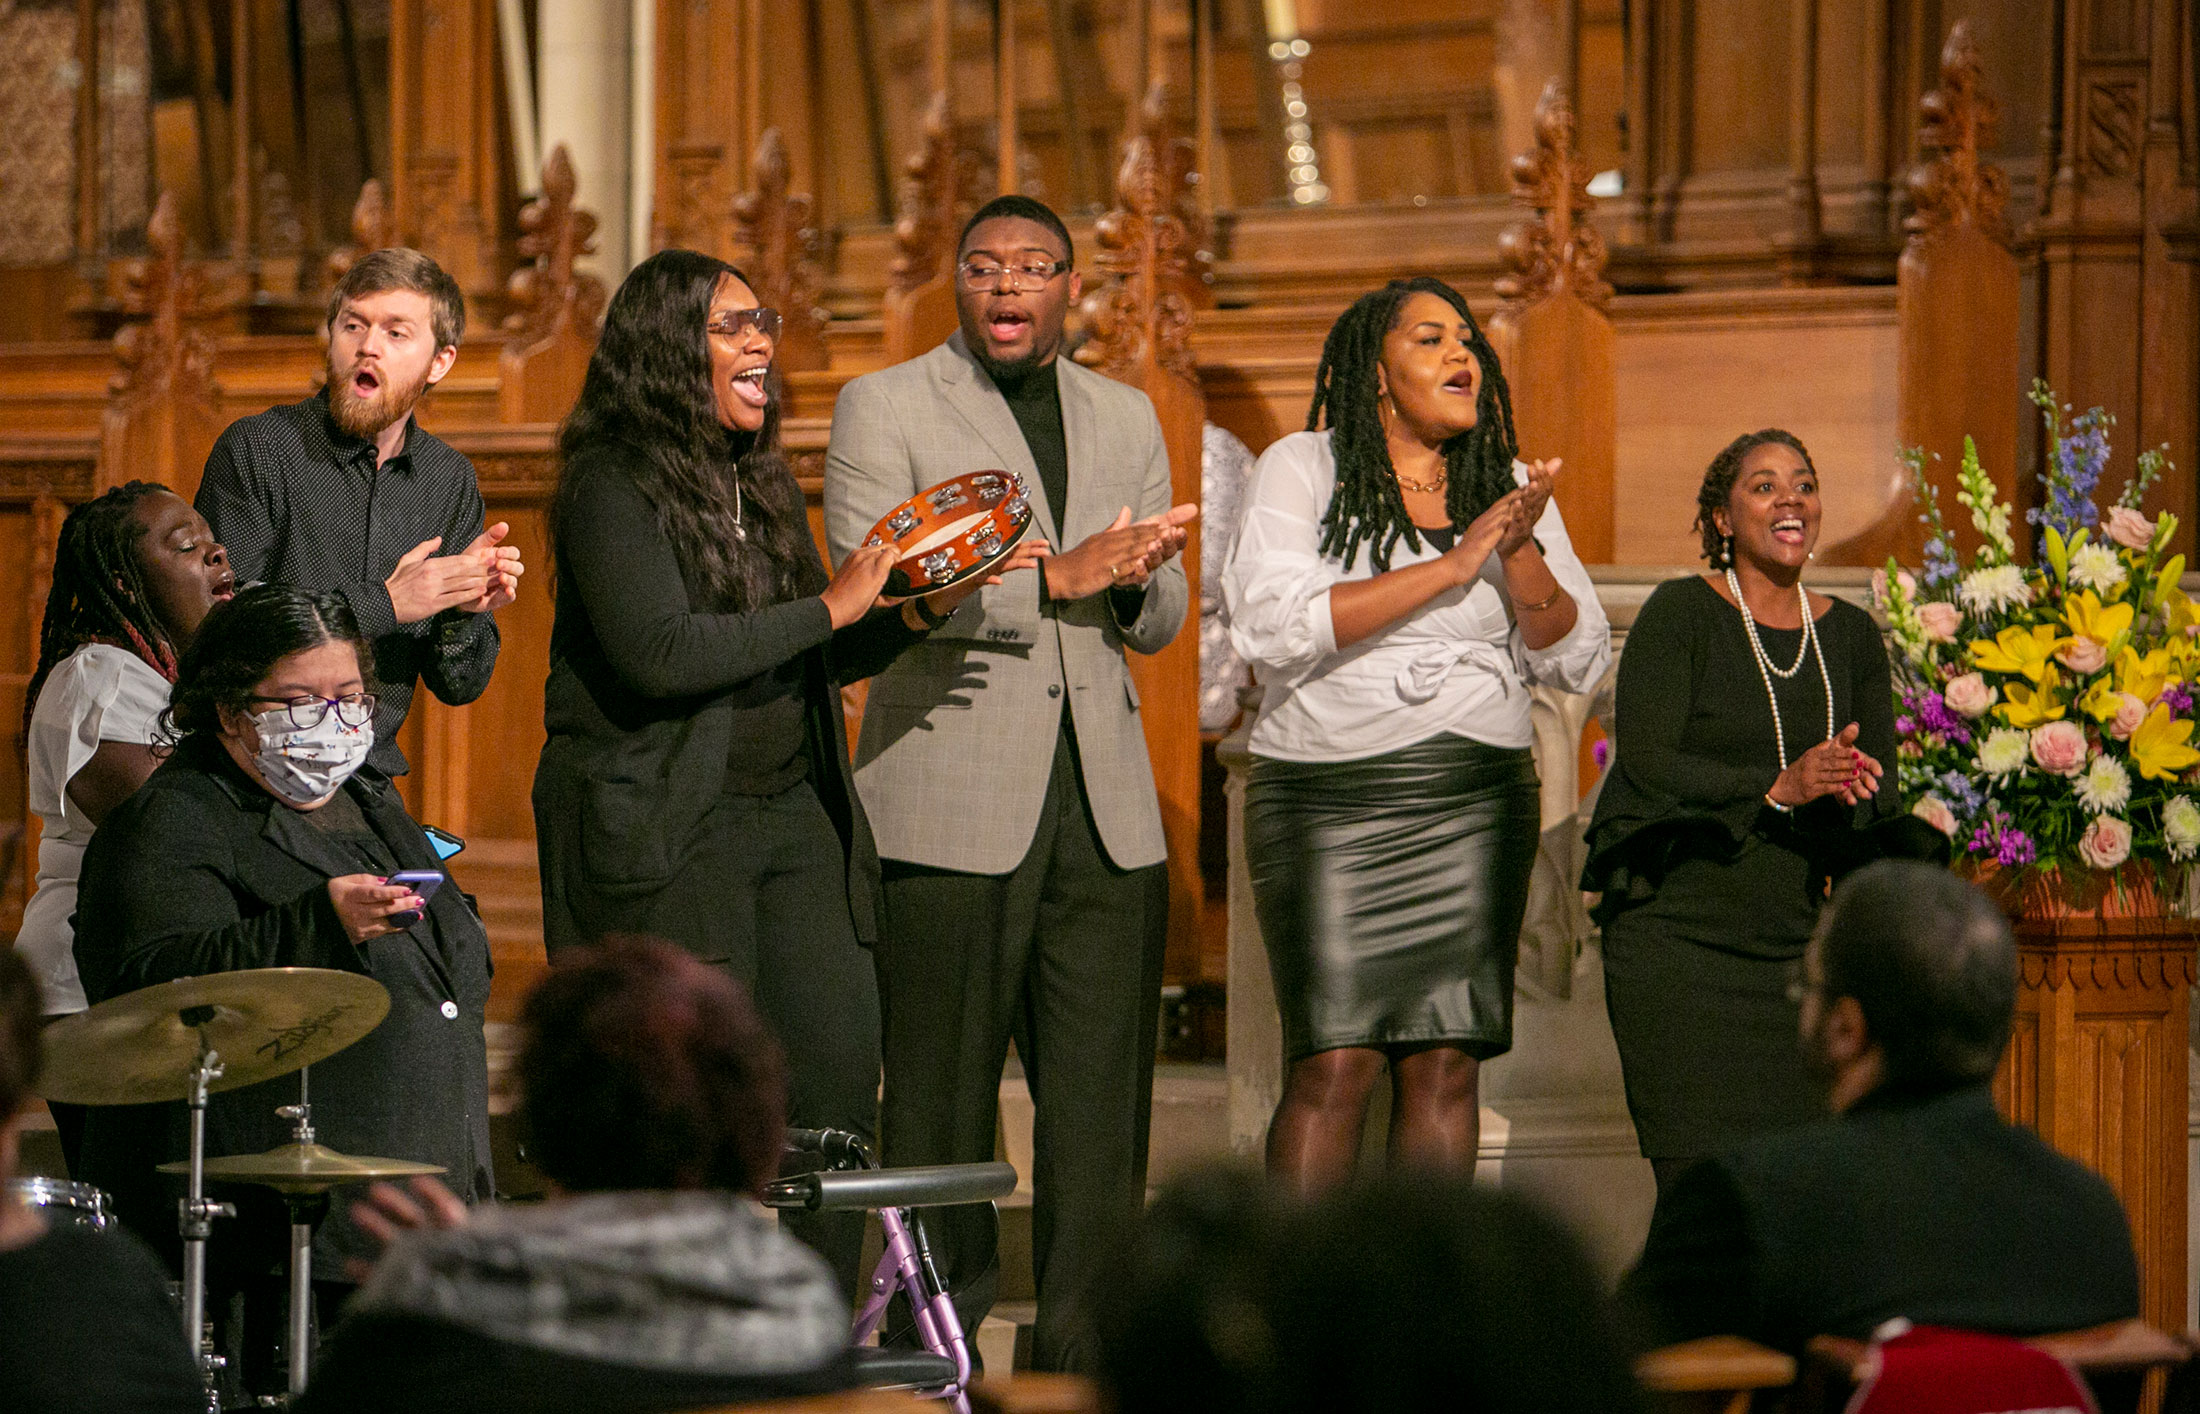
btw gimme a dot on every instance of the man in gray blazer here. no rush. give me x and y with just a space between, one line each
1004 769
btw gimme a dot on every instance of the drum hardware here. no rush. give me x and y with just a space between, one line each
69 1204
304 1172
186 1039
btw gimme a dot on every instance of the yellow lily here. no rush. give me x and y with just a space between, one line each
2027 652
2100 701
2029 707
2158 747
2144 675
2182 614
2088 618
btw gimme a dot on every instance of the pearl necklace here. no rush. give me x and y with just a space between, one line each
1767 670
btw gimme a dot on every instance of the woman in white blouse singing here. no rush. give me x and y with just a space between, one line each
1399 581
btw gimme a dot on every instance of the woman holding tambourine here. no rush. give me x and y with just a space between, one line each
695 783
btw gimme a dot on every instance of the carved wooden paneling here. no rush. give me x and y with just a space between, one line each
1139 320
2098 1066
938 192
373 228
1958 303
1554 334
778 244
163 412
698 122
552 329
450 190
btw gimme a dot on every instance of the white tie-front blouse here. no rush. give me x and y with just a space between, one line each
1456 664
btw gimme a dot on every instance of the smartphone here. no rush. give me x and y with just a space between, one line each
423 882
443 842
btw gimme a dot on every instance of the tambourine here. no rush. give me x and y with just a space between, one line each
955 531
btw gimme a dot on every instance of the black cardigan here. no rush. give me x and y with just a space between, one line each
203 871
645 696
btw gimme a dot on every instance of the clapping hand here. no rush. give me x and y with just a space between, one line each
1832 767
1122 556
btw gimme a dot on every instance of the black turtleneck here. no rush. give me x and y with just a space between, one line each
1035 397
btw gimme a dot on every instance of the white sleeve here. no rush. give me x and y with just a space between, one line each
96 694
1275 592
1577 662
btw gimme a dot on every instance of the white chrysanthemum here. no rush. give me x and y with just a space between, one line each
2181 826
2004 751
2105 786
1995 587
2097 567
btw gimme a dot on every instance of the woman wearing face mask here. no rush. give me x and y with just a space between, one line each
1753 724
261 843
134 573
1399 581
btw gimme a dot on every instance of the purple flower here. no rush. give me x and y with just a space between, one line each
1903 726
2074 469
2178 698
1601 753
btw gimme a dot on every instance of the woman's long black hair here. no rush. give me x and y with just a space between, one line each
241 642
1367 507
99 592
649 387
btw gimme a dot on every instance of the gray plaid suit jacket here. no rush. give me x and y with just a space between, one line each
959 734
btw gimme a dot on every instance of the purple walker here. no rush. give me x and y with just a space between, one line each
942 1369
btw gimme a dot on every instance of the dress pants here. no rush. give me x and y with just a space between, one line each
762 894
1063 955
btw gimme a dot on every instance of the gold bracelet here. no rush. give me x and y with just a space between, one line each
1556 591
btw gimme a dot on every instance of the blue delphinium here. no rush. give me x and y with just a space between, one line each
2076 459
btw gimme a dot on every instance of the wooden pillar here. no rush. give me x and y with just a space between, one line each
91 227
2097 1064
2116 303
778 250
1139 320
936 197
448 178
1008 176
552 329
163 408
1957 297
1554 334
698 120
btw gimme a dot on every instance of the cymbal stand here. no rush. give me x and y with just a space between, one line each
305 1210
195 1215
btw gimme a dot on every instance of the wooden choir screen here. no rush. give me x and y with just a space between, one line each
1554 335
1138 322
1957 303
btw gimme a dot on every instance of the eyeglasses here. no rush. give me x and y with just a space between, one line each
1023 279
733 323
306 713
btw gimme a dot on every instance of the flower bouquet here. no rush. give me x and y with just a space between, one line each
2044 713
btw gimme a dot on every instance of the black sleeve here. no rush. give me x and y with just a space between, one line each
235 511
630 584
1871 697
1699 1273
864 648
464 656
156 902
1651 707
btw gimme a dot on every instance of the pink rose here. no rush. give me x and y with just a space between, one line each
1969 696
1903 578
2059 748
2106 842
2128 528
1935 812
2083 656
2130 712
1940 621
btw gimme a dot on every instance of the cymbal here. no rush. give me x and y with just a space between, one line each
304 1168
138 1048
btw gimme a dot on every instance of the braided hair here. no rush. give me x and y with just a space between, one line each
1718 486
99 591
1367 506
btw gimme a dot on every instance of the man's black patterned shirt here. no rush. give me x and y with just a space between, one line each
296 500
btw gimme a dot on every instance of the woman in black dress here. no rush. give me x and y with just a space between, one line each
695 784
1721 824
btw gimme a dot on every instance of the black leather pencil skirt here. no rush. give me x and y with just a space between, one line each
1390 892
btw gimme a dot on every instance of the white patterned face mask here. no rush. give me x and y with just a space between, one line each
305 765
